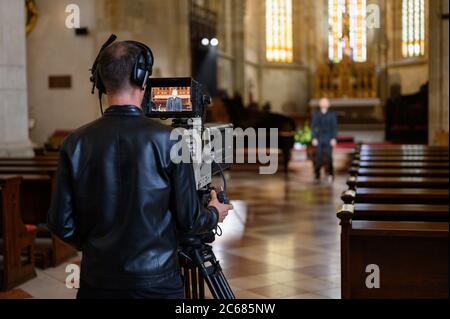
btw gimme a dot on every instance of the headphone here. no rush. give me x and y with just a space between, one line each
142 69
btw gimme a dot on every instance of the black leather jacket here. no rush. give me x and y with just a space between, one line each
123 203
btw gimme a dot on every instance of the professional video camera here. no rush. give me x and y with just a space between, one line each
183 101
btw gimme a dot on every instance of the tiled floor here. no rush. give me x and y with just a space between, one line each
282 240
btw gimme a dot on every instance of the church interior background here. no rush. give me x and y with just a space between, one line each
383 65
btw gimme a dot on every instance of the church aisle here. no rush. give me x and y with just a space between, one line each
282 240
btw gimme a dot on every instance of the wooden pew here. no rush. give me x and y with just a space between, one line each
400 165
411 257
35 163
401 158
398 172
395 149
409 152
400 212
35 199
396 196
396 217
16 240
45 157
28 170
402 147
397 182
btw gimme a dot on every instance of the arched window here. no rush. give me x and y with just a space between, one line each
336 9
347 30
279 31
413 28
358 28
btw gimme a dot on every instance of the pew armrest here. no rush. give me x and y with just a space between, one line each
346 213
353 171
349 196
351 182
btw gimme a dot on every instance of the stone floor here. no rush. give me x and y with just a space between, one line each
282 240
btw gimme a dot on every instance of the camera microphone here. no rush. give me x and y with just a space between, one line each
108 42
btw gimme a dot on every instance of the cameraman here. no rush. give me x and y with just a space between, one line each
121 200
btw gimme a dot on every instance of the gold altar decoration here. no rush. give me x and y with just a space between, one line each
30 15
346 79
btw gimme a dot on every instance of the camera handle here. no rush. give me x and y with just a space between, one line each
222 196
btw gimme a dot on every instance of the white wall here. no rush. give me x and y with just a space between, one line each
286 88
55 50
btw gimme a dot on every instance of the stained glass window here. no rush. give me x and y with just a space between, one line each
279 31
336 9
413 28
358 36
347 30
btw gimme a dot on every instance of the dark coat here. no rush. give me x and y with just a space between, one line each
324 126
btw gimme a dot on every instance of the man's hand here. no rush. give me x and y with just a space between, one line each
315 142
223 209
333 142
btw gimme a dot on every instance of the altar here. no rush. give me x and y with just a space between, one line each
354 111
352 88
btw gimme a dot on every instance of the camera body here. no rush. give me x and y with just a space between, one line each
184 101
209 150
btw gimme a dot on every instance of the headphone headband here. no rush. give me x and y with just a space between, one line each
142 70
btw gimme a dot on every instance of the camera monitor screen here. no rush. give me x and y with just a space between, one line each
176 98
171 99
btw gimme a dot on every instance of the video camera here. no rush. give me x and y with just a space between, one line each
184 101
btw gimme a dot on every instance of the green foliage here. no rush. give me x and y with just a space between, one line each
303 135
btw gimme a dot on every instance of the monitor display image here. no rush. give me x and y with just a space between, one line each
171 99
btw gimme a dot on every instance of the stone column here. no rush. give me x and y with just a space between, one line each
14 141
238 46
438 70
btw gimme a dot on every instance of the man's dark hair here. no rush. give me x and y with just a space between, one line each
116 64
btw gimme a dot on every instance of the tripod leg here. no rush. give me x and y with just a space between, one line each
226 285
221 285
214 287
217 282
201 284
212 274
194 283
187 282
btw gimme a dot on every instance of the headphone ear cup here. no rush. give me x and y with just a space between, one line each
99 83
140 73
151 61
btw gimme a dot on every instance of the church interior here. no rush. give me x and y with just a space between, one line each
377 230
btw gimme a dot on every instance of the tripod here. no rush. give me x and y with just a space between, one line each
199 264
